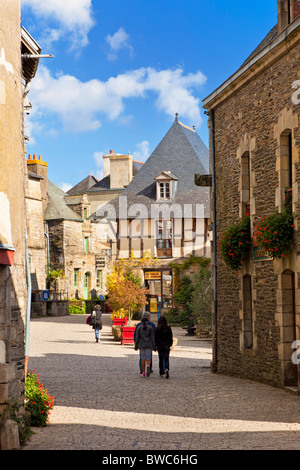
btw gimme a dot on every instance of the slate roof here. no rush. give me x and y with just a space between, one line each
183 153
264 43
83 186
57 208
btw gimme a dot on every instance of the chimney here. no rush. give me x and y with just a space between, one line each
120 170
106 165
287 11
39 167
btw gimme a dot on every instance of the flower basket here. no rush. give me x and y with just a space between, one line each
274 234
235 243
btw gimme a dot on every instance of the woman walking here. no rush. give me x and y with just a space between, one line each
164 341
96 321
145 342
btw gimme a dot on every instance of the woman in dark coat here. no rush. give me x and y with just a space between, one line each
96 321
163 341
145 342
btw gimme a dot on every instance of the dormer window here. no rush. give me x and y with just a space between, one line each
165 186
164 190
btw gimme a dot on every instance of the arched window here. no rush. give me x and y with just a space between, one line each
247 313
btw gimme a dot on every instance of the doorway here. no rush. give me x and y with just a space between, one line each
160 285
86 285
288 329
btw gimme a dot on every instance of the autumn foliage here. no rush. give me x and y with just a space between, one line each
124 291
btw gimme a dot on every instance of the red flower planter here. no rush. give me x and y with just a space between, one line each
127 334
120 321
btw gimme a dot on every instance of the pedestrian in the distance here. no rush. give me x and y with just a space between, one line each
145 342
163 341
96 321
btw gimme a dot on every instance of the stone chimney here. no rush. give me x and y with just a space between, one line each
106 164
39 167
287 12
120 170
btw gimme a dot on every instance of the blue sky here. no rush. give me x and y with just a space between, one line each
122 69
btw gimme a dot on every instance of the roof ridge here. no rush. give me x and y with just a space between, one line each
187 127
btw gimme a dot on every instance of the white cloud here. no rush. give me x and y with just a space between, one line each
69 16
118 41
98 158
142 152
80 106
65 186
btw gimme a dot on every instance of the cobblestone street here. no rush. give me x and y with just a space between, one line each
102 401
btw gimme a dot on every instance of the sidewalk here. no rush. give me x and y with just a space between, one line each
102 401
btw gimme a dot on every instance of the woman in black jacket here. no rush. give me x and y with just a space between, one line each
164 341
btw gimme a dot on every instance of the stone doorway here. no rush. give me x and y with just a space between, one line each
288 328
86 285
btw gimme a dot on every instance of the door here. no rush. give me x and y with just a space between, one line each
86 287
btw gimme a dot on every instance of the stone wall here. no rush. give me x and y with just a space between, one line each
12 209
68 252
251 119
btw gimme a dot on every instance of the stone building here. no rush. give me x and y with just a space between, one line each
15 75
162 214
254 157
62 238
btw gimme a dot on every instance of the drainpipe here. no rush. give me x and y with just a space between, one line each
214 266
48 249
28 309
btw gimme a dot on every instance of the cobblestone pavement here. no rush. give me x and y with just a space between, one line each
103 403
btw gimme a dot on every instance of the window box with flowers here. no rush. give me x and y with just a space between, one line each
235 243
274 233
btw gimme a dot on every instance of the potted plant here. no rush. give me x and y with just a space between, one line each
274 233
235 243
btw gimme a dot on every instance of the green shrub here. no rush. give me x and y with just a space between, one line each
76 309
37 400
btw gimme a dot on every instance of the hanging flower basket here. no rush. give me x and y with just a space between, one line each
235 243
274 234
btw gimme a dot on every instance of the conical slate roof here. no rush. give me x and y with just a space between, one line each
180 152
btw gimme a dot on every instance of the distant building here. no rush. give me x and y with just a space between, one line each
62 238
162 212
254 147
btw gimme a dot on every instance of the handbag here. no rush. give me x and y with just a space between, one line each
88 320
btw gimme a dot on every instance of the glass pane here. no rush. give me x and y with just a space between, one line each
167 192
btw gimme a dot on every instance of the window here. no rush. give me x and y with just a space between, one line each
247 312
99 278
85 213
245 181
76 276
86 244
286 159
164 238
164 190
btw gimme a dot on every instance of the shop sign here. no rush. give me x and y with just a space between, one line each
100 262
152 275
153 304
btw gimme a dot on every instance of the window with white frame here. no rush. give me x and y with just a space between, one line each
164 190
